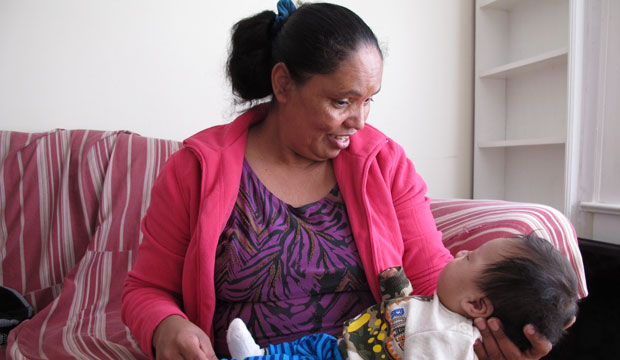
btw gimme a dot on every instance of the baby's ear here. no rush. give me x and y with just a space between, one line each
570 323
477 306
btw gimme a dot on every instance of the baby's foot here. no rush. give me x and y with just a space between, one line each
241 344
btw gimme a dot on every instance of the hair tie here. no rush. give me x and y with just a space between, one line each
285 8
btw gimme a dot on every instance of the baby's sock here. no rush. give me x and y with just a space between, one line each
241 344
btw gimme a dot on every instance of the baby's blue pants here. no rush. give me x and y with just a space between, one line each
312 347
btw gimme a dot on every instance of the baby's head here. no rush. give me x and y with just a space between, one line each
522 280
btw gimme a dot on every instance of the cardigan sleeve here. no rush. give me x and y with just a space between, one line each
424 255
153 287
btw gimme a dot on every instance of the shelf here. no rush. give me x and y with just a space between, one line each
521 142
522 89
499 4
550 58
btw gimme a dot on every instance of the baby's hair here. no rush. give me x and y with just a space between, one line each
533 284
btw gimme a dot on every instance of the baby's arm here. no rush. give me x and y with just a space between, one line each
394 283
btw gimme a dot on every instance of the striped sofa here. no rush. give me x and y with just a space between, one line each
70 206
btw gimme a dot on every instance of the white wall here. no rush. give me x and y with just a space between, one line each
157 68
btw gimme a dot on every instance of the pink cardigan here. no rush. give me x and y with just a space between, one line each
194 195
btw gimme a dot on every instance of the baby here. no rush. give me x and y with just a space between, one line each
521 281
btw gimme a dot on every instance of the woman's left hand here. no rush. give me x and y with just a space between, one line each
495 345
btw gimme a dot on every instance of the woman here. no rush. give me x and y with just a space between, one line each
284 217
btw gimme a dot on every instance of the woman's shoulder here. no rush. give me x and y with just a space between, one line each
207 137
222 136
182 163
373 141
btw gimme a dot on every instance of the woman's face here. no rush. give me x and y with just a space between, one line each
324 112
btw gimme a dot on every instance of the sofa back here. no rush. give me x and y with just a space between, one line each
71 202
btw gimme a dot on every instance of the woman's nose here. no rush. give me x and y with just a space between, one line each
357 118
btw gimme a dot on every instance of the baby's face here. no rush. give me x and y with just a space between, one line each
458 278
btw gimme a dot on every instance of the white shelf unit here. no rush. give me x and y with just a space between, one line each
521 100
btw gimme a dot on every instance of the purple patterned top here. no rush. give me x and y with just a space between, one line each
286 271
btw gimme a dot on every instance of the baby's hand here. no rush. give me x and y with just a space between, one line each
388 273
394 283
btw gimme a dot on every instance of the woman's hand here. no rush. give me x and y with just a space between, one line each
496 345
178 338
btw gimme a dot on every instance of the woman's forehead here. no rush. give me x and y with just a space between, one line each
358 74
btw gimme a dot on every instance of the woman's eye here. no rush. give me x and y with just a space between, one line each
369 100
341 103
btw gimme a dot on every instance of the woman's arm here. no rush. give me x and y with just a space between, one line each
424 254
153 287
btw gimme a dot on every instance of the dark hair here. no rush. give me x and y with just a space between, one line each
315 39
533 284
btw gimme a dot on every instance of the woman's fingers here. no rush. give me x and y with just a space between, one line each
506 348
540 345
191 349
488 348
178 338
207 347
480 351
495 345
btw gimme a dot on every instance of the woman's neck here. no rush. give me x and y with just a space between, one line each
268 141
293 178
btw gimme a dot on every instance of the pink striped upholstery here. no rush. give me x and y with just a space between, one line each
70 211
70 207
467 224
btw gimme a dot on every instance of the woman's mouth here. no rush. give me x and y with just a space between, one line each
340 141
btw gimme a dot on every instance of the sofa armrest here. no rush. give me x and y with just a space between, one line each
467 224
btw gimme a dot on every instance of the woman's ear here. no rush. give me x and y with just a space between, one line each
477 306
281 82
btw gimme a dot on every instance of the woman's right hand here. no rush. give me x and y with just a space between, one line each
496 345
178 338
